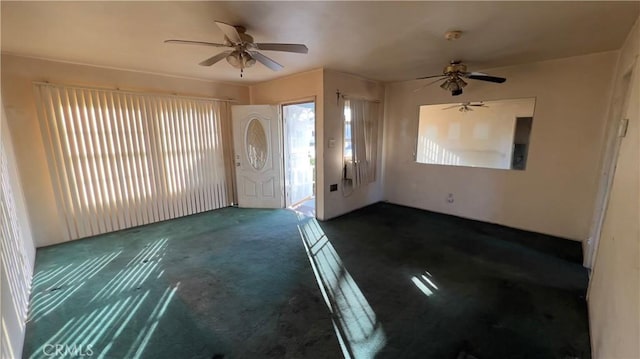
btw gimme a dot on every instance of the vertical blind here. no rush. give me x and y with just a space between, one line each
121 159
13 261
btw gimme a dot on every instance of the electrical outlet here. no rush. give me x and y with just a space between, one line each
450 198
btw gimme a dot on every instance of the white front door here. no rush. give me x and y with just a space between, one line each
258 156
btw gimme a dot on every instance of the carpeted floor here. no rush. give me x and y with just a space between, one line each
382 282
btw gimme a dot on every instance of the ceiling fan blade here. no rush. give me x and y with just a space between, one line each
230 32
450 107
266 61
428 77
430 83
189 42
484 77
297 48
213 59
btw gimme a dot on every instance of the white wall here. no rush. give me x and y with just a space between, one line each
614 289
16 260
18 74
555 194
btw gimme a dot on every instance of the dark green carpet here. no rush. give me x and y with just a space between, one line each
237 283
502 293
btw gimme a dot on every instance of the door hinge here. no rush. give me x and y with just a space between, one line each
622 127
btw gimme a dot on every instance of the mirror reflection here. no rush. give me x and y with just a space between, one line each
490 134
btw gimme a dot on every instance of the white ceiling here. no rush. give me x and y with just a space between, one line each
387 41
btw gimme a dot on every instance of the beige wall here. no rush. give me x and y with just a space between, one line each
341 202
555 194
614 289
12 328
18 74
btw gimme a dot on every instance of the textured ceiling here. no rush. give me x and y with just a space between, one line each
387 41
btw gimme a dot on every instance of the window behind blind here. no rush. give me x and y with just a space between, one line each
15 269
120 159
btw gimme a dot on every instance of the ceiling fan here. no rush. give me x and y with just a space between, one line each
453 75
466 106
244 53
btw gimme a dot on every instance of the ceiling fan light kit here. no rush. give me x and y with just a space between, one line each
245 52
240 60
454 85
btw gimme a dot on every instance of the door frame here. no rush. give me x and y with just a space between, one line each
283 143
610 161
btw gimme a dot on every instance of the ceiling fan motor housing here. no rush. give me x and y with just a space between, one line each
455 68
246 38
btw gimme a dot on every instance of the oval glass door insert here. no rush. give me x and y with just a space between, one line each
256 143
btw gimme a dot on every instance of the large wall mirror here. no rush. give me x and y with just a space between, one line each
490 134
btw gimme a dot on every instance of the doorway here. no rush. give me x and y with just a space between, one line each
615 133
299 123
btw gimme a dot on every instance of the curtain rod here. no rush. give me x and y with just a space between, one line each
345 96
45 83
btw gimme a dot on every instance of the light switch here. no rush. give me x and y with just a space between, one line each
332 143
